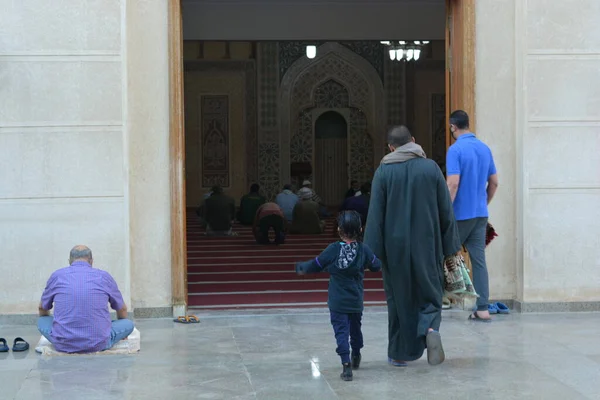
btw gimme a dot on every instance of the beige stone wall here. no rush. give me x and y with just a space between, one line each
62 149
495 108
538 107
84 146
147 56
559 119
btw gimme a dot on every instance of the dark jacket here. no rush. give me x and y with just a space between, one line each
219 211
306 219
346 264
248 207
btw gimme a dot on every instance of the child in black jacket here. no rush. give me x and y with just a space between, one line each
346 262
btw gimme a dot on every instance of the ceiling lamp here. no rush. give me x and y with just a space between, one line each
405 51
311 51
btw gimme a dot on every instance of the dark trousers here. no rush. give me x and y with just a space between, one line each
267 223
347 326
472 236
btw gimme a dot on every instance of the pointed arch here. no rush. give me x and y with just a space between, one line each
333 62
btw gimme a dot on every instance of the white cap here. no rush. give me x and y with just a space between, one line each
306 183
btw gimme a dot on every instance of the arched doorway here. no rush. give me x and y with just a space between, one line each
331 157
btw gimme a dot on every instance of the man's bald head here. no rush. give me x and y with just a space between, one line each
399 136
80 253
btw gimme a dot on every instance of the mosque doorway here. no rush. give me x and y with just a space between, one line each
255 100
331 157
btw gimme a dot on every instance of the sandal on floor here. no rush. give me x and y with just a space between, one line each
3 347
188 319
475 317
20 344
397 363
502 308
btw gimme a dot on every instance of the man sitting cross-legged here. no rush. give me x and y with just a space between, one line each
80 295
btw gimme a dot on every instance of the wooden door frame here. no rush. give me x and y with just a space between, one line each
460 60
177 161
460 93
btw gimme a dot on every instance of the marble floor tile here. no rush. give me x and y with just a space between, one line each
291 355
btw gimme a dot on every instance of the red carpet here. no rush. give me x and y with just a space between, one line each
235 272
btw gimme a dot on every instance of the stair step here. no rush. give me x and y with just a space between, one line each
262 286
283 298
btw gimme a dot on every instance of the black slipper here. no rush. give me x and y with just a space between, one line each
20 344
3 347
475 317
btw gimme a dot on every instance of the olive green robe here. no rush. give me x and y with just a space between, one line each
411 228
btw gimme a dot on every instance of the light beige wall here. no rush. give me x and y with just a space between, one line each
147 59
62 152
559 59
495 108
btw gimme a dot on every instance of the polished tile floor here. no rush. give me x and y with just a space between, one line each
290 355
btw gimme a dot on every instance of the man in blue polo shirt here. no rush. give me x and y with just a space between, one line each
472 181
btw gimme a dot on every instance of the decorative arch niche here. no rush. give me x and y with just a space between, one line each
336 79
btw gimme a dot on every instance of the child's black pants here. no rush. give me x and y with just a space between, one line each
347 326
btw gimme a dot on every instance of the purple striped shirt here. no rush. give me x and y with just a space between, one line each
81 295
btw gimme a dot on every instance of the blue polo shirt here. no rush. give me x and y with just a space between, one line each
472 159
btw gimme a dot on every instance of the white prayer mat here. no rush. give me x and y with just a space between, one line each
130 345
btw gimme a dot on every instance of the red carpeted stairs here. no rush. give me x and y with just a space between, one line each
235 272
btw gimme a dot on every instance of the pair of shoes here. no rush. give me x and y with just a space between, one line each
501 308
346 374
188 319
435 350
19 344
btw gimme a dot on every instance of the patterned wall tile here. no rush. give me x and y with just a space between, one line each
268 120
214 111
395 92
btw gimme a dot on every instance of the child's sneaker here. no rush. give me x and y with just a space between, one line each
346 374
356 360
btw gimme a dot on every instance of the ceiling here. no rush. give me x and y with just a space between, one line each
313 19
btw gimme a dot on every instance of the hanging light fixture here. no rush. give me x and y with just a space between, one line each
311 51
405 51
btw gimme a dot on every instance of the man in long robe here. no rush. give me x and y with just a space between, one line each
411 228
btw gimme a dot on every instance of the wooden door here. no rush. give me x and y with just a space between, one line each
460 60
331 158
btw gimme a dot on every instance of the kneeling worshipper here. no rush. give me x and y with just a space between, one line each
79 295
219 213
269 216
306 220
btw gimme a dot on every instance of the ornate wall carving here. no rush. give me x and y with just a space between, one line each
269 160
214 114
395 92
438 129
361 147
248 69
337 76
292 51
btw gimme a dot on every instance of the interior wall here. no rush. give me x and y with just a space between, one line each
62 152
313 20
428 79
199 84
